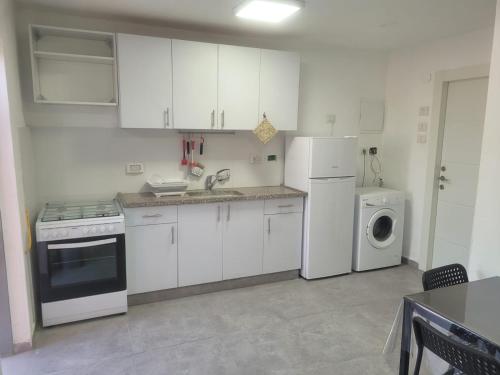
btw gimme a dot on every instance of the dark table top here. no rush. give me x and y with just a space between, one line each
474 305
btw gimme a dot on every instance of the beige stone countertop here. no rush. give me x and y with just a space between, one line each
134 200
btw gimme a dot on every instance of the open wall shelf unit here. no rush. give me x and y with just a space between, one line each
72 66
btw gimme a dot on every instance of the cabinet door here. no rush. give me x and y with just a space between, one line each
282 242
200 244
145 76
151 257
279 88
195 84
242 239
238 89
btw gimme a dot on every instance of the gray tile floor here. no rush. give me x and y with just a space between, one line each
329 326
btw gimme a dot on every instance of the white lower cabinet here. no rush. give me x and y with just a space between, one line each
211 242
151 255
282 242
200 243
242 239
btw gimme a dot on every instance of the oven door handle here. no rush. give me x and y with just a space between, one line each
76 245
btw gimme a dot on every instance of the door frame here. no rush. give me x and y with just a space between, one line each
6 342
435 138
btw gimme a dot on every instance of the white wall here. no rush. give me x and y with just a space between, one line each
77 163
11 184
485 248
410 86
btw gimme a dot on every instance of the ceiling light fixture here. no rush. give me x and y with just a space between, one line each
273 11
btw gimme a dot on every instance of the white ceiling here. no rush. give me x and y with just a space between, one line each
381 24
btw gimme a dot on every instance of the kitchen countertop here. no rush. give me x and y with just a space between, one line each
134 200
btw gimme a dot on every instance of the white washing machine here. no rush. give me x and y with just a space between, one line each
378 228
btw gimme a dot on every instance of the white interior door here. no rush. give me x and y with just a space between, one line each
461 151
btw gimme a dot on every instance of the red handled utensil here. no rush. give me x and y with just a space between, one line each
184 160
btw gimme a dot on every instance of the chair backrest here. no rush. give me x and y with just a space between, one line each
442 277
463 357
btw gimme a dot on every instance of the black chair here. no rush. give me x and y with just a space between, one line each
452 274
442 277
462 357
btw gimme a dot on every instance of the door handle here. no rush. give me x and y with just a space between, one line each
228 212
222 120
269 225
218 213
173 235
285 205
212 119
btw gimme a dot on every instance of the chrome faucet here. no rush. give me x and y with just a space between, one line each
222 175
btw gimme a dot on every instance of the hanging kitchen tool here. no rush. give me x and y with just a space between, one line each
265 131
202 143
184 160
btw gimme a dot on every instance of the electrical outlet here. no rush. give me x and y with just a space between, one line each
255 159
134 168
373 151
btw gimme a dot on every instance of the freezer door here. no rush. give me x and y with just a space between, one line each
333 157
329 228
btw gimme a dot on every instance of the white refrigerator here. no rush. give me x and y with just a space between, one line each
324 167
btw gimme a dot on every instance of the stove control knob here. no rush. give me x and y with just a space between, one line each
111 228
93 230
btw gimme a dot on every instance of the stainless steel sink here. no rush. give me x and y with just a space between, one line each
213 193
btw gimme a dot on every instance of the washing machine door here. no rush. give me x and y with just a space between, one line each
380 229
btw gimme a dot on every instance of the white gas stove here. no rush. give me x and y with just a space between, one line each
81 261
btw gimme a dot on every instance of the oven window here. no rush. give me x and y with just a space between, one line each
82 262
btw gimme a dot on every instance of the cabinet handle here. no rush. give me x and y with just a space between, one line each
222 120
151 216
285 206
218 213
165 118
173 235
268 225
228 212
168 117
213 119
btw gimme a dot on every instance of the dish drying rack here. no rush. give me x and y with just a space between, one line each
162 187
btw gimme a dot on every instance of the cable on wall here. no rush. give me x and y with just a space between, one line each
376 168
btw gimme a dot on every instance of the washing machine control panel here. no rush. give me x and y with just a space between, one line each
383 200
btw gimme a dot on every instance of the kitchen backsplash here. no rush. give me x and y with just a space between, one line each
83 163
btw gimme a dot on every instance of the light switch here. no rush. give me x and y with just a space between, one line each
422 127
424 111
421 138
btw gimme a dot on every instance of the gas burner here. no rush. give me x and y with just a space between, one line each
79 210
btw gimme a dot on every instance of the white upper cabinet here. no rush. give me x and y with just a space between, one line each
279 88
195 84
145 76
238 89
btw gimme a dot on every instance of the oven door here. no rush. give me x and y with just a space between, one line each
81 267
